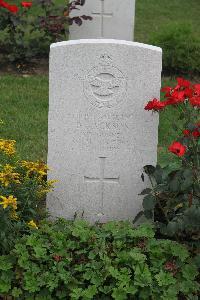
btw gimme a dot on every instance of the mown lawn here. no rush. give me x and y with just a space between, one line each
153 14
24 110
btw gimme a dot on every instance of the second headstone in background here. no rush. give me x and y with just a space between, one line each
112 19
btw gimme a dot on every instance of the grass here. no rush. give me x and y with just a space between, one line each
24 109
153 14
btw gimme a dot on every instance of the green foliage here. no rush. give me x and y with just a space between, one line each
73 260
174 201
28 33
180 48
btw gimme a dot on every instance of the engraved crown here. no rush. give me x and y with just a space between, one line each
105 59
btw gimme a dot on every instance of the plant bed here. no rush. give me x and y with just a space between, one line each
73 260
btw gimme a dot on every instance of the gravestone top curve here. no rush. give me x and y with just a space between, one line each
105 41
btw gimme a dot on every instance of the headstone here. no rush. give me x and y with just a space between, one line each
111 19
100 136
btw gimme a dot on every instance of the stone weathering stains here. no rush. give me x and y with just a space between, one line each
100 136
112 19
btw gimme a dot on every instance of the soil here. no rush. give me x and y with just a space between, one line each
36 67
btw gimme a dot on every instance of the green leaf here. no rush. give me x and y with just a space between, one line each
179 251
90 292
142 275
76 293
16 292
149 202
5 263
137 256
165 279
189 271
119 294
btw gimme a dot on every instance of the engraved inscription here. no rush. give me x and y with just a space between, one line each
101 180
102 131
105 85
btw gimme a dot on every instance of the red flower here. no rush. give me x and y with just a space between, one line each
197 90
196 133
12 8
177 148
26 4
186 132
182 83
167 90
155 104
195 101
188 92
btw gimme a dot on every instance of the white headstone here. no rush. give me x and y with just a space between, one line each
112 19
100 136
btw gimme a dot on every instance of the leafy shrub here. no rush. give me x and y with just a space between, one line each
173 201
27 31
72 260
180 48
23 187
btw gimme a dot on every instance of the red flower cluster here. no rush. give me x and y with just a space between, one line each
154 104
183 91
12 8
177 148
195 133
26 4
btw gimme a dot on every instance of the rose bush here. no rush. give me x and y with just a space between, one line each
173 201
27 29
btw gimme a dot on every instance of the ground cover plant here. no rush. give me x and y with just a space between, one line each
72 260
173 201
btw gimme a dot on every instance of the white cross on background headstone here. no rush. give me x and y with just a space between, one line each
102 179
111 19
102 15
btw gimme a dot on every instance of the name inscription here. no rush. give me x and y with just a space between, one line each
106 131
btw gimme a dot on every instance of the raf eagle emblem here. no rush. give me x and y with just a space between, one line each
104 85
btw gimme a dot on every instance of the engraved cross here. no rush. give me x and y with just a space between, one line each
102 15
102 179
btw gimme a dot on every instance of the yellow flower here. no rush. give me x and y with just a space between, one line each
47 188
7 175
7 146
9 201
32 224
14 215
37 167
